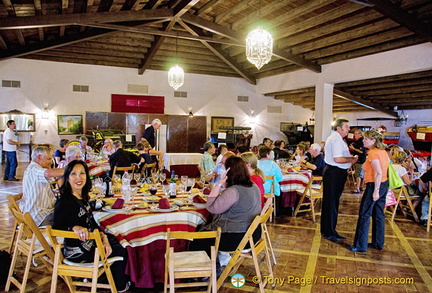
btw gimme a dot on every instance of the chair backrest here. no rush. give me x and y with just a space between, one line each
19 218
311 185
270 178
266 206
128 168
53 234
39 236
194 235
13 200
150 167
55 188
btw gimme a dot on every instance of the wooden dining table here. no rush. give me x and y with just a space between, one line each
143 233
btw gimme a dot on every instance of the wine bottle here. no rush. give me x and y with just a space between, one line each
173 186
108 182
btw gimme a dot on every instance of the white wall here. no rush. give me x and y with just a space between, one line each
50 83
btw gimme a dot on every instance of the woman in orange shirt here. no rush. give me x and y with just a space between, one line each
373 201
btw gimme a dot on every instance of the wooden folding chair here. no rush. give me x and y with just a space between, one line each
68 269
13 201
148 169
313 193
266 206
429 223
32 244
55 188
404 202
128 168
241 254
351 176
191 264
271 195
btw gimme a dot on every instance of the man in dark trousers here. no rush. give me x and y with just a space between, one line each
149 133
338 160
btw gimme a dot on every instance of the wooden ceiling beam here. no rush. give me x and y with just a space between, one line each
220 53
303 90
208 6
181 8
393 90
82 18
416 95
51 44
241 6
152 4
146 61
389 85
81 60
393 78
348 96
403 18
260 13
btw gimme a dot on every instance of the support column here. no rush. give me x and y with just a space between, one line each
323 111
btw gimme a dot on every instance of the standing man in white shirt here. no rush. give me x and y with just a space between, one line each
338 160
10 147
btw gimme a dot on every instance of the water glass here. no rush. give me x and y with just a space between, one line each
184 180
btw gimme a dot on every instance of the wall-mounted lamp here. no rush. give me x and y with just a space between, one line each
252 118
333 121
312 118
45 112
190 112
401 119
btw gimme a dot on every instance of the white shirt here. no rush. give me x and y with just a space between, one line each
400 170
9 134
38 200
336 147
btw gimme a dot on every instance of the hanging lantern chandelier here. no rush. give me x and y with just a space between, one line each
259 47
176 77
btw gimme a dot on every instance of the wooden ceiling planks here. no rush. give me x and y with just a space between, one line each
307 34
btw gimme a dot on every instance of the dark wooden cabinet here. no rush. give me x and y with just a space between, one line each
184 134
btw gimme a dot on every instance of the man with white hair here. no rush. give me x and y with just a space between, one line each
38 200
317 163
72 153
149 133
85 149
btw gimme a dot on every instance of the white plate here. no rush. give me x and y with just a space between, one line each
199 205
114 211
158 210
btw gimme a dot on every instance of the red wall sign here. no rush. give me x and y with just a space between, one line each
137 104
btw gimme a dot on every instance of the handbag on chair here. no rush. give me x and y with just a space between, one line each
395 181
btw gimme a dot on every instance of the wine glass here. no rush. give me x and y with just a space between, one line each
162 177
155 177
190 184
137 177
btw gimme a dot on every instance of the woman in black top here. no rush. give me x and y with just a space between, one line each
72 213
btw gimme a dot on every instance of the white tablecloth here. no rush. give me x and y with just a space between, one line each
181 159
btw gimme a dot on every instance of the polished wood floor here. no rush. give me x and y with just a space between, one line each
305 261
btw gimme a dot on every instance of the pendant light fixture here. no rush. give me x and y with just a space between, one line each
259 46
176 75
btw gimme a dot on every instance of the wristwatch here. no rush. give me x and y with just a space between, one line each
377 188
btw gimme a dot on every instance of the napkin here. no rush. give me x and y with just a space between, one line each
198 199
206 191
164 204
197 185
118 204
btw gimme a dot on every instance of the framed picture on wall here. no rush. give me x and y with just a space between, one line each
69 124
218 122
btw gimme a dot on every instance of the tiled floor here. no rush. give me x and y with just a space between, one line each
305 261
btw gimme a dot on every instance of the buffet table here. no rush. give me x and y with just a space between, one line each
181 159
142 233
